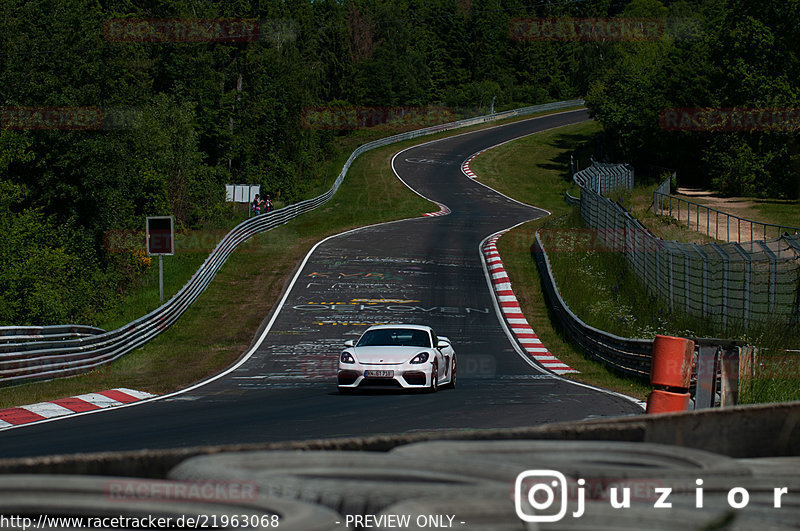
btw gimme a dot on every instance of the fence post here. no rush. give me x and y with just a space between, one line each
746 299
686 283
773 275
671 280
705 304
726 271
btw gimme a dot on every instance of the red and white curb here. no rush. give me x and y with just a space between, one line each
16 416
465 165
443 211
513 313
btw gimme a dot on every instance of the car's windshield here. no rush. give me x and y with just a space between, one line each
398 337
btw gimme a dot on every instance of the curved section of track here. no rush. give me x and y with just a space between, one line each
425 270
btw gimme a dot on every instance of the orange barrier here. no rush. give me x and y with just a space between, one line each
671 370
666 402
672 362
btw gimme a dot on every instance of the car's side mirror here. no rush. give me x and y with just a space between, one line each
349 343
442 344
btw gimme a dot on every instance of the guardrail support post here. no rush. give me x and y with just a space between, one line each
707 366
748 361
729 383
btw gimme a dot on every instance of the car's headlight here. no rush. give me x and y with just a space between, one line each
422 357
346 357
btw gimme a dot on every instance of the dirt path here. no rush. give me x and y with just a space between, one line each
720 226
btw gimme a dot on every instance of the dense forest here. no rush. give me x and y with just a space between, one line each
115 110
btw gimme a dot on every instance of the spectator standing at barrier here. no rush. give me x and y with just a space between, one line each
268 205
256 205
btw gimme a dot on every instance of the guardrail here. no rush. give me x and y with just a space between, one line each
571 200
22 334
625 355
709 222
21 362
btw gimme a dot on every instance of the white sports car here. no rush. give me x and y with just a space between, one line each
400 356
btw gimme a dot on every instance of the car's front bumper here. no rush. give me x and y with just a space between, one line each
404 376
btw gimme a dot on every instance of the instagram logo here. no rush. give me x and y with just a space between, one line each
535 492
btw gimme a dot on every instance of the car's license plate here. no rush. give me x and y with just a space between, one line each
379 374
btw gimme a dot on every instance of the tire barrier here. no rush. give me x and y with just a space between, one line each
499 514
770 467
33 360
595 459
476 484
350 483
97 502
488 513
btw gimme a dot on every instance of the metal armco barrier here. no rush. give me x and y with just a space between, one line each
22 334
20 362
717 376
625 355
714 381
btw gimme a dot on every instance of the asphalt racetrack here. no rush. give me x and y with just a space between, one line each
426 270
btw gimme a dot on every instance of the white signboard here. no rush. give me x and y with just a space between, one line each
241 193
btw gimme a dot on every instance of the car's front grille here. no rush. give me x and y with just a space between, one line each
380 382
414 377
347 377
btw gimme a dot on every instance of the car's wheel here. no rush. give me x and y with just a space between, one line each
453 374
434 379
